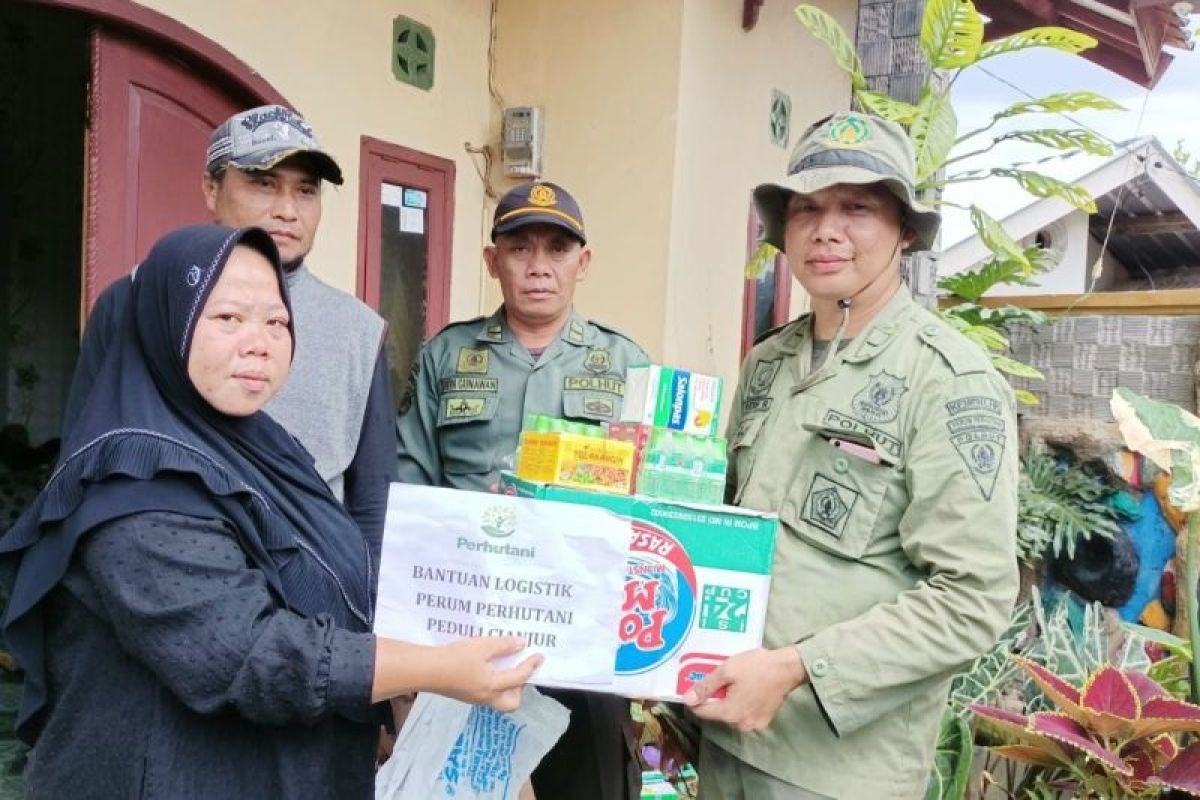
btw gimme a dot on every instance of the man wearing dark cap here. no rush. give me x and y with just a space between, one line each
473 384
886 442
265 168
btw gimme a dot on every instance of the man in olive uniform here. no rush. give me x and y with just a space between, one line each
472 387
886 442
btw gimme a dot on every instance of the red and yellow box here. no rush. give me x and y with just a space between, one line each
583 462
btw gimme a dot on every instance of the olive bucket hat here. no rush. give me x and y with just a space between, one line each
849 148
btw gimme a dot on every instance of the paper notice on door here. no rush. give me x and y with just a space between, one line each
412 220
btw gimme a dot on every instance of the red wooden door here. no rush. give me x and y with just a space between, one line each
150 119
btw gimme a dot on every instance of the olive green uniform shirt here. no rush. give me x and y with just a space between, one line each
894 474
474 383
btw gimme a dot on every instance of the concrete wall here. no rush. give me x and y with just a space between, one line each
723 149
607 77
1084 358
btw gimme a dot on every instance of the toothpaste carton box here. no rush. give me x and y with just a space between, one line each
677 399
695 590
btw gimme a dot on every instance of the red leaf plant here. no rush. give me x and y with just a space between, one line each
1111 739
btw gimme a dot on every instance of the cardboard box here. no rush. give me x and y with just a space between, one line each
672 398
695 590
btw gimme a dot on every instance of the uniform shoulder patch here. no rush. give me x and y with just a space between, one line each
779 329
622 339
961 354
611 331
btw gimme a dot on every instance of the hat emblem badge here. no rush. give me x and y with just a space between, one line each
542 195
849 131
193 276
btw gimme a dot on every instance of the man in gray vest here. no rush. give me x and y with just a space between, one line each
265 168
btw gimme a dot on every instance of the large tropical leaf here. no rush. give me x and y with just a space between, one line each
821 25
996 239
882 105
1014 367
1040 185
972 284
951 760
1063 39
985 336
932 132
989 674
951 33
1063 139
997 317
1026 397
1183 773
1058 103
1072 655
1168 436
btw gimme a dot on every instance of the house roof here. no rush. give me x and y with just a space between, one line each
1148 207
1131 33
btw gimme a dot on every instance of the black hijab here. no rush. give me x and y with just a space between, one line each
146 440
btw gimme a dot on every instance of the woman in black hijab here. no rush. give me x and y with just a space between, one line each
190 603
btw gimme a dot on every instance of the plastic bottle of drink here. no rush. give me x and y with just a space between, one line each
714 471
657 453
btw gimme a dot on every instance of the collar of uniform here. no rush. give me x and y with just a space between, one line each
495 328
883 328
795 335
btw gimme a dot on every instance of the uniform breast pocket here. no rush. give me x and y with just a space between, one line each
465 438
594 406
839 499
742 450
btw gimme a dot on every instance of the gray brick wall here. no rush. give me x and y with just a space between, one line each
1085 358
888 32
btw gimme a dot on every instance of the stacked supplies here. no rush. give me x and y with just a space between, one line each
664 446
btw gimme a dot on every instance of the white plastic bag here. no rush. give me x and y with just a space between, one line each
450 749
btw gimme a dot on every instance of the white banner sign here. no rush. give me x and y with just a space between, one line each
459 564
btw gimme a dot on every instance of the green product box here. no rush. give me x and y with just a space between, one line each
695 589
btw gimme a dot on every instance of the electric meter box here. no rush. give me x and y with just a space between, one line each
523 136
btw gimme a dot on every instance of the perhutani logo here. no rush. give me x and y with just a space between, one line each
499 522
659 601
679 389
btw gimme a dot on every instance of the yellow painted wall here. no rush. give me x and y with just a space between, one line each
606 75
331 60
723 149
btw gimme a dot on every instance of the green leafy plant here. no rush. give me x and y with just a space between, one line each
951 39
1060 504
1075 654
1044 636
1110 739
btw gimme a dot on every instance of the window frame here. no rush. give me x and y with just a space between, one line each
384 162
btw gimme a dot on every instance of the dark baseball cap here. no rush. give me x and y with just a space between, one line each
538 202
260 138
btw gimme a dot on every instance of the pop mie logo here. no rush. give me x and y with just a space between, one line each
659 600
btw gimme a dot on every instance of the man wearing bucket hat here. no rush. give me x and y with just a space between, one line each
887 444
264 168
474 383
